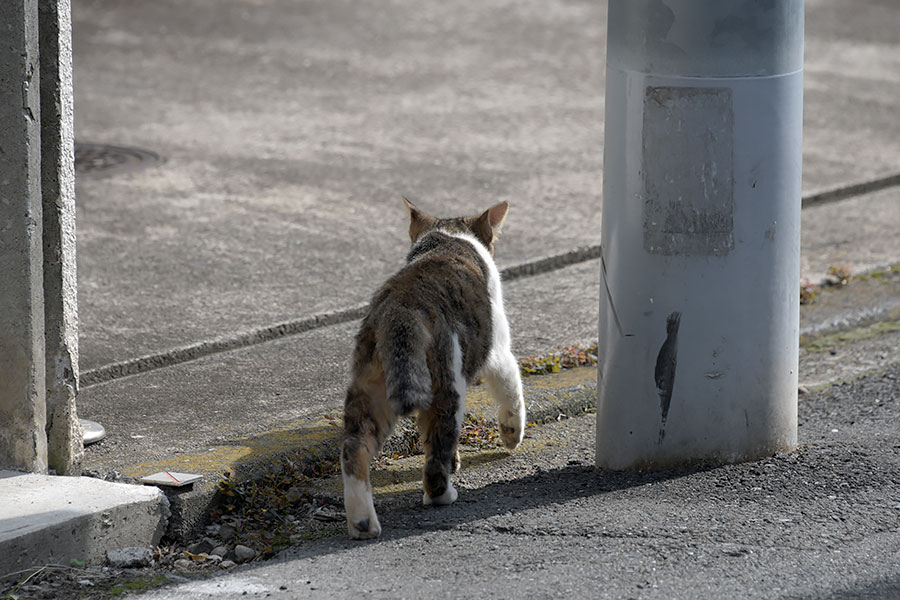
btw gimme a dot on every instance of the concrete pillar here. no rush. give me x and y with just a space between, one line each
23 441
38 302
64 432
699 310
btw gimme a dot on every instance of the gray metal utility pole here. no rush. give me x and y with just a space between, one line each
699 309
38 317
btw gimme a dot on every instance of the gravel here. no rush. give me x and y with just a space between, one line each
128 558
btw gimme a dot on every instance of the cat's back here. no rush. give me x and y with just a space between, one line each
444 272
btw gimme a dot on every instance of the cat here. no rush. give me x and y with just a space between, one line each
432 328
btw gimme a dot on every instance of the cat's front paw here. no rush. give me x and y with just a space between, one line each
512 426
362 522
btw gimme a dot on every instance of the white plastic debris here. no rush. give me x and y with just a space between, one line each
171 479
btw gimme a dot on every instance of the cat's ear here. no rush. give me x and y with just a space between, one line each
419 222
497 215
487 226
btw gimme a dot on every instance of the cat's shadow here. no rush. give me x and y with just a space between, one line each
540 489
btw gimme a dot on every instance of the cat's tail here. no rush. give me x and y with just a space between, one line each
402 346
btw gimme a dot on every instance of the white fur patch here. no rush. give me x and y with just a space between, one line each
359 506
501 338
448 497
357 498
459 381
501 370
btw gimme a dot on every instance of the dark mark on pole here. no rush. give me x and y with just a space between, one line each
664 373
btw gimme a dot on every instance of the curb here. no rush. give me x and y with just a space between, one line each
871 297
49 519
315 445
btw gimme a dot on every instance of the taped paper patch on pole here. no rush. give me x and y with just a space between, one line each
688 171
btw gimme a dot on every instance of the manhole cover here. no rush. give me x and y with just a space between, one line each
91 159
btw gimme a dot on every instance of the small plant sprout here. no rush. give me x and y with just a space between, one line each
567 357
839 275
808 291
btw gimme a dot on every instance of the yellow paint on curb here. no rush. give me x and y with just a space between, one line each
479 403
303 436
216 460
297 437
564 379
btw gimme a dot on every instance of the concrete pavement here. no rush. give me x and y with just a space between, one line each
285 134
288 133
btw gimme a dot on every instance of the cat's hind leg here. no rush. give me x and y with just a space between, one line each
440 424
368 420
504 384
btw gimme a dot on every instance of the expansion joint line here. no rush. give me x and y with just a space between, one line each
227 343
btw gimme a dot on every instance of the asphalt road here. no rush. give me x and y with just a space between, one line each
821 522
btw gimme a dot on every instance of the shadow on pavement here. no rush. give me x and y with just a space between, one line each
543 488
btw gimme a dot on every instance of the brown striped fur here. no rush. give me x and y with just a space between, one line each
430 329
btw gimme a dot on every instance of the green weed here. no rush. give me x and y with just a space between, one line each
567 357
808 291
138 586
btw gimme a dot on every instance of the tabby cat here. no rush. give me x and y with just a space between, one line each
432 328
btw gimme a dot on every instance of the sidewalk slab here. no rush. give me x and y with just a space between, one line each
861 233
288 133
205 407
51 520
